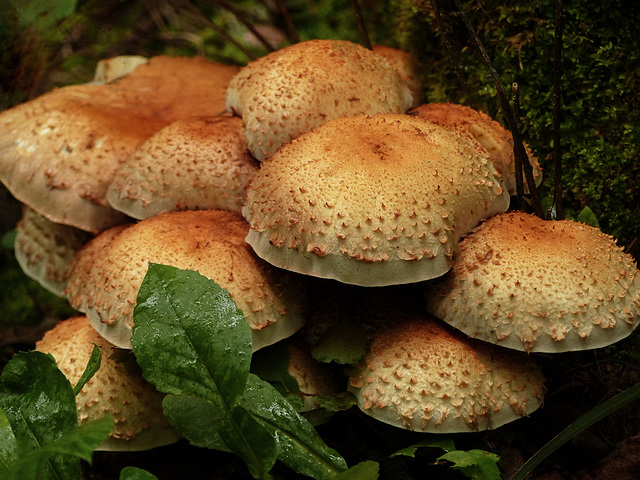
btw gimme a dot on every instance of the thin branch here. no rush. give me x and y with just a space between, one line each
557 99
291 28
242 18
361 26
520 154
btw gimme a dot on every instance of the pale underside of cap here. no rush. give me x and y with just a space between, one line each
200 163
45 249
485 133
423 376
105 277
539 286
297 88
58 152
384 204
116 389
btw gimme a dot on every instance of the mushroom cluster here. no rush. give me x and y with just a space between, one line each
325 195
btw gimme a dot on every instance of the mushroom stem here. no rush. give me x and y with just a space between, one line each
361 26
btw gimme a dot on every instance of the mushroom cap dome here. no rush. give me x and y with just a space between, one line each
297 88
370 200
421 375
540 286
106 274
117 388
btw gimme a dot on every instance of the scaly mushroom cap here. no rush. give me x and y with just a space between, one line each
407 66
485 133
539 286
295 89
117 388
106 275
422 376
370 201
45 249
192 164
59 152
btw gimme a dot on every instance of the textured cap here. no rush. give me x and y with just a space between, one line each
192 164
106 275
423 376
117 388
371 200
407 66
45 249
297 88
484 133
58 152
540 286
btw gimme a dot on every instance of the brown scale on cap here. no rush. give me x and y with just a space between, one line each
106 275
539 286
382 204
484 133
192 164
117 388
59 152
423 376
297 88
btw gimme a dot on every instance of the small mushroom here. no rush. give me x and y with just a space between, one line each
421 375
199 163
407 66
106 274
116 389
539 286
370 200
297 88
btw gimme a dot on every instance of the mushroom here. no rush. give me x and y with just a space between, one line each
45 249
116 389
539 286
106 274
484 133
384 204
297 88
407 66
421 375
58 152
199 163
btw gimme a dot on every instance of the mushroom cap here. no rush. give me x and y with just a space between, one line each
106 275
383 205
486 135
59 152
111 69
297 88
45 249
116 389
539 286
423 376
199 163
407 66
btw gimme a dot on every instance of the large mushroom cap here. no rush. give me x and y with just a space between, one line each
117 388
540 286
485 133
423 376
382 204
407 66
58 152
297 88
198 163
106 275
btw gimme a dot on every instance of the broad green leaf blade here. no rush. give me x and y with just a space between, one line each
189 337
272 364
8 447
196 419
93 365
40 405
133 473
368 470
445 443
474 464
299 445
587 216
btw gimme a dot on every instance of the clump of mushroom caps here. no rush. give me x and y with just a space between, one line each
323 171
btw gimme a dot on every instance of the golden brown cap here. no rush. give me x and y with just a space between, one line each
370 200
106 275
117 388
539 286
407 66
295 89
423 376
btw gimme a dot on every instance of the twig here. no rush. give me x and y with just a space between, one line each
291 28
361 26
557 99
242 18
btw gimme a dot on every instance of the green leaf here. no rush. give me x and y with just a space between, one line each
474 464
343 343
368 470
7 445
445 443
134 473
587 216
272 364
42 14
299 445
93 365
